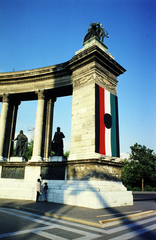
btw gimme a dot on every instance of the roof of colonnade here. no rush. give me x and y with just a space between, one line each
25 83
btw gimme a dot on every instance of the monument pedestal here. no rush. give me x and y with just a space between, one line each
90 194
90 183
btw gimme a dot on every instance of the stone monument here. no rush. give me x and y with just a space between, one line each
92 175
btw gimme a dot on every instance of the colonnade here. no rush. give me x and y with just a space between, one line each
43 126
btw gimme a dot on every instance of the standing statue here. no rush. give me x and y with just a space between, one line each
21 145
96 30
57 143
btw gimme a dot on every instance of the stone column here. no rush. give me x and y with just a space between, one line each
10 129
36 157
3 121
48 127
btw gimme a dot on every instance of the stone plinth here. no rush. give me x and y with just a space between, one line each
95 41
76 193
97 170
17 159
93 184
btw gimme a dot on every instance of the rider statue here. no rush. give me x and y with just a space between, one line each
96 30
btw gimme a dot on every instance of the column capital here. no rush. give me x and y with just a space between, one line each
5 97
40 94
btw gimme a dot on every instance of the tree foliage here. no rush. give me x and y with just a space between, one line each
29 151
140 170
66 154
28 154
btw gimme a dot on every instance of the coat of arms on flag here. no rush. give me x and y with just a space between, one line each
106 123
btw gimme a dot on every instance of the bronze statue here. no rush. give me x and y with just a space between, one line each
57 143
96 30
21 145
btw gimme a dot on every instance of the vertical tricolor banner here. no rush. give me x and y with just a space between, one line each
106 123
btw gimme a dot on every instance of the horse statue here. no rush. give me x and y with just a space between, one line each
96 30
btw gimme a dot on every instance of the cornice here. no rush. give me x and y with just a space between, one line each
94 53
64 163
34 72
19 78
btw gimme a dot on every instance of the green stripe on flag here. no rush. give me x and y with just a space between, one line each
113 129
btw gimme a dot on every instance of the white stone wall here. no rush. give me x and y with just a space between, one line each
90 194
17 189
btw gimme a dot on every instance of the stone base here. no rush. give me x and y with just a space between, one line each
94 171
94 41
93 183
36 159
90 194
56 159
17 159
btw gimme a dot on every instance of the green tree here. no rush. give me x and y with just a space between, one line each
66 154
141 168
130 177
28 154
29 151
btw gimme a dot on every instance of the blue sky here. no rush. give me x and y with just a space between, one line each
40 33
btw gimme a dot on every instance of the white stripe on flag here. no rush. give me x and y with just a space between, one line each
107 131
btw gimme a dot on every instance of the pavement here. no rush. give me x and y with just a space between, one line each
94 217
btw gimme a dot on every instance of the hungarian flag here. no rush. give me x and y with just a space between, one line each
106 123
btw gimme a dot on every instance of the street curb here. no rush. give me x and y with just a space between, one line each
85 222
126 217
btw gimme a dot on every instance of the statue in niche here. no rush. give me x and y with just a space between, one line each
57 143
96 30
21 145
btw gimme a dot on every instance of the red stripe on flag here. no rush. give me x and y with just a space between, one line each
102 149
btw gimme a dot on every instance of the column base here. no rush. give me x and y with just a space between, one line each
36 159
45 159
2 159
